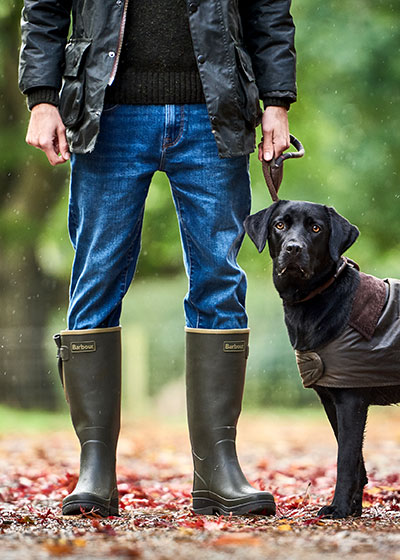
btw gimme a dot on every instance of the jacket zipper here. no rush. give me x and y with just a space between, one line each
120 40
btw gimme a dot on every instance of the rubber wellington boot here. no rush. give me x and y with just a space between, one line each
90 368
215 372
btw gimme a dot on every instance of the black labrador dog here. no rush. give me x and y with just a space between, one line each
334 314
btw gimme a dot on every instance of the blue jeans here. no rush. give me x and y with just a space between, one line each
107 197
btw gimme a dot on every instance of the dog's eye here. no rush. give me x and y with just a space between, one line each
316 228
280 225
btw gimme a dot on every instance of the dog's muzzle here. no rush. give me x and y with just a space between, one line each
292 262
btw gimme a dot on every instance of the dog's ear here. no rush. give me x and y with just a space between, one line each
256 226
342 234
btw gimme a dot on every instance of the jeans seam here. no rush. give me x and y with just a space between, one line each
129 259
189 251
181 127
72 223
168 143
162 160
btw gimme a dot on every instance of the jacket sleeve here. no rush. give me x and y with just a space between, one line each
268 32
44 29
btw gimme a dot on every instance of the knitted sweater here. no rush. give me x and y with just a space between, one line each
157 63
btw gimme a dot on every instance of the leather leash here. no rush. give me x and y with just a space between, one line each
273 170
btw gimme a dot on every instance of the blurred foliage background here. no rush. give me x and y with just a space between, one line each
347 117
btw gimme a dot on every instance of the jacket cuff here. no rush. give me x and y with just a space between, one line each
277 102
42 95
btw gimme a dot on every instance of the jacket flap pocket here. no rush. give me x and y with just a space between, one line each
244 61
74 52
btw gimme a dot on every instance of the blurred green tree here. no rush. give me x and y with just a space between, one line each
29 189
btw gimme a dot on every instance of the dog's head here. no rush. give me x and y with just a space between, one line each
306 241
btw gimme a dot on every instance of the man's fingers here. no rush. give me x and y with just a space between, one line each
62 143
275 142
268 146
275 132
51 151
46 132
281 144
46 145
260 151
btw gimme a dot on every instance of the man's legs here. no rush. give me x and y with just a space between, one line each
212 198
108 191
107 197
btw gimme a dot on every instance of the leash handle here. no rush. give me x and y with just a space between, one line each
273 170
288 155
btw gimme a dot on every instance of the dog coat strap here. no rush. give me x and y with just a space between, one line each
310 366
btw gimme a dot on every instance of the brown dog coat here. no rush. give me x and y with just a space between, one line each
367 352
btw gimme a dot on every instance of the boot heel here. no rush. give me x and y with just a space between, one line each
205 507
75 504
114 505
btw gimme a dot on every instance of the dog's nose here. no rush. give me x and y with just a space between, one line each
293 248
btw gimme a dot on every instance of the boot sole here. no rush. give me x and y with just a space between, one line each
206 506
87 503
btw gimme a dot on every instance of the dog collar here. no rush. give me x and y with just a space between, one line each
343 264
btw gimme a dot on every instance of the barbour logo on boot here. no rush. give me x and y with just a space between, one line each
234 346
86 346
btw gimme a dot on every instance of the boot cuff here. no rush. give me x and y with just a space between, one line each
216 331
91 331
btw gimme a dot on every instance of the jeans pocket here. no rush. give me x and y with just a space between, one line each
110 108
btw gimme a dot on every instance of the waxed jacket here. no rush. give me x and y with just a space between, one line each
244 51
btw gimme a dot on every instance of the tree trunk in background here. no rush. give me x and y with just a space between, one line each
29 189
25 299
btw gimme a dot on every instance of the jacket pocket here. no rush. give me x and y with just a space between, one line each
247 88
72 96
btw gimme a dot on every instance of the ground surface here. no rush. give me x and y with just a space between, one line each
291 455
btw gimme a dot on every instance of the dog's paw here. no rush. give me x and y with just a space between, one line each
334 512
356 507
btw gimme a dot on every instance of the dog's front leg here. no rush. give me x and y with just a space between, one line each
351 413
356 507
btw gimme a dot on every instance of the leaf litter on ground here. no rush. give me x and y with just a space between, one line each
294 459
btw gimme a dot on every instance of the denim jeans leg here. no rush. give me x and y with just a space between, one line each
107 197
212 198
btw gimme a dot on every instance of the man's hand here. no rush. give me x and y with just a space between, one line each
275 129
46 131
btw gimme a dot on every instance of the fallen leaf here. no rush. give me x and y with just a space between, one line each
60 547
285 527
236 539
126 551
